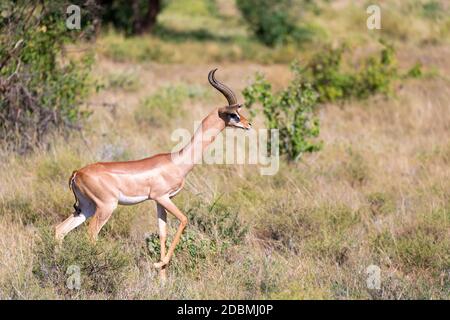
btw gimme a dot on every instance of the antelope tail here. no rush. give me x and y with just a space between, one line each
71 182
71 179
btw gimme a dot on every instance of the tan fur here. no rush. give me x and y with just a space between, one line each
159 177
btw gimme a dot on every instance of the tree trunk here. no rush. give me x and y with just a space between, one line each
144 24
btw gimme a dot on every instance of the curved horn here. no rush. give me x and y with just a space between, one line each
231 98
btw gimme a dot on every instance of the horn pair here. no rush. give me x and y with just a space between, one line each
227 92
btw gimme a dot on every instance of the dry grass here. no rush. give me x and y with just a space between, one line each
378 193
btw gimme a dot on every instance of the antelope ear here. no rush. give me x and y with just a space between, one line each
230 109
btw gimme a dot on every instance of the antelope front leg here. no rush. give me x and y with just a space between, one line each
162 226
172 208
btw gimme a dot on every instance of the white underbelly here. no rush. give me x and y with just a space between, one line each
173 193
129 200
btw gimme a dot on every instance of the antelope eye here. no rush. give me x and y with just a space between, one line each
234 116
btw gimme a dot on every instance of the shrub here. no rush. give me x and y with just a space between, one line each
291 111
192 249
102 265
269 20
325 72
191 243
219 222
212 229
131 17
39 91
326 76
376 74
415 71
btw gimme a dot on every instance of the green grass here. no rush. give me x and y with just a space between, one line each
423 245
103 266
127 81
376 194
197 32
158 109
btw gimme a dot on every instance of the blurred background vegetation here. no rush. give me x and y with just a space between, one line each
364 175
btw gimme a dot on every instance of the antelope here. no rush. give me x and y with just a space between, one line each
100 187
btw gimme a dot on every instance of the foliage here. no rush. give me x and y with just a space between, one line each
378 194
41 90
192 248
271 21
212 229
131 17
219 222
325 72
415 71
291 111
102 265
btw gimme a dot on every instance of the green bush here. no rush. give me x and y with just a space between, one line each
377 74
192 243
103 265
270 20
219 222
41 89
415 71
131 17
212 229
326 73
193 249
291 111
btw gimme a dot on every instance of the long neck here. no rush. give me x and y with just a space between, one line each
206 133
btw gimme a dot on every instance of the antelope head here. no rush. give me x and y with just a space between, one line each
230 113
